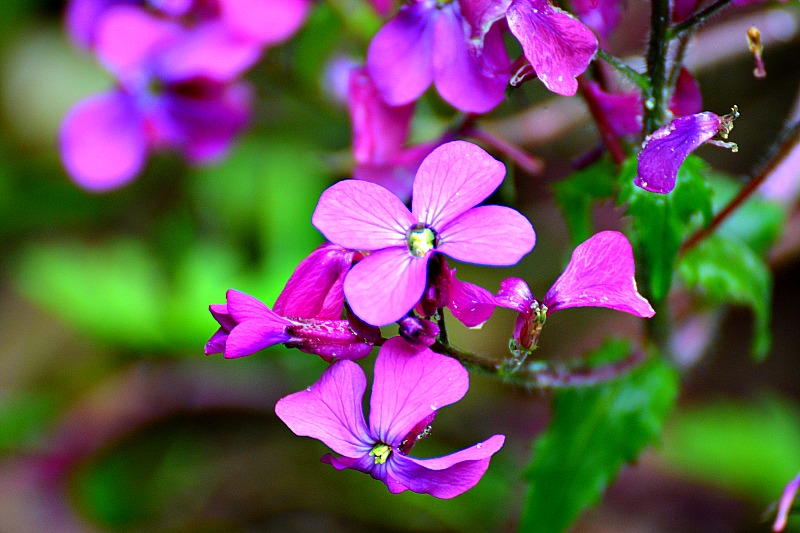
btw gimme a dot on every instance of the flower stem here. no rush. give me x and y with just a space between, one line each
530 164
696 19
442 327
658 47
639 79
787 139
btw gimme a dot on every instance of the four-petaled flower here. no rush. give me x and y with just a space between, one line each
453 179
408 390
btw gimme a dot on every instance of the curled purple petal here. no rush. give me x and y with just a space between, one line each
330 410
386 285
488 235
252 336
410 385
455 177
600 274
103 141
448 476
558 46
666 148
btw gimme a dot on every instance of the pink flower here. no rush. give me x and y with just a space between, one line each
408 391
450 182
665 149
787 498
600 274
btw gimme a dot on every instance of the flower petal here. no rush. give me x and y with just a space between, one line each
252 336
103 141
622 111
687 99
448 476
469 303
455 177
243 307
473 81
81 18
409 385
602 16
265 22
488 235
362 216
514 293
330 410
558 46
480 15
666 148
385 285
216 344
400 55
600 274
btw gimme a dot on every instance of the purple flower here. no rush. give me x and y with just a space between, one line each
470 304
665 149
408 391
453 179
600 274
602 16
379 136
789 494
558 46
431 42
248 326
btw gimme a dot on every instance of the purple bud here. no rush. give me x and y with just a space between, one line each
418 331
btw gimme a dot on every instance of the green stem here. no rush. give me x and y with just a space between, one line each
442 327
639 79
696 19
658 47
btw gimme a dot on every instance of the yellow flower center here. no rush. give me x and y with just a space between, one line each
381 452
420 240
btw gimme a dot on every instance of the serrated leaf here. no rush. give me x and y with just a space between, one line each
594 431
576 194
725 270
661 221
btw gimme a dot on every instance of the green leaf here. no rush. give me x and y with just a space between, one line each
725 270
576 194
661 221
594 431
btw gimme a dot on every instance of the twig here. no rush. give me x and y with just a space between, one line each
639 79
696 19
657 49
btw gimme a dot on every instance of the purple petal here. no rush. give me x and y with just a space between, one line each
409 385
400 55
448 476
174 8
600 274
103 141
787 498
470 80
515 294
362 216
252 336
216 344
315 288
243 307
687 99
379 130
469 303
682 9
488 235
208 51
82 17
623 111
558 46
265 22
666 148
128 39
385 285
480 15
602 16
330 410
452 179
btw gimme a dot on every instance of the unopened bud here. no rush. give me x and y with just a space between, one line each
418 331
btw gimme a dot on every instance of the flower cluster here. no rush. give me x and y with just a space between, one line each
177 66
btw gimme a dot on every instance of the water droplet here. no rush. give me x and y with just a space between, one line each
479 445
561 78
535 10
434 407
308 388
650 104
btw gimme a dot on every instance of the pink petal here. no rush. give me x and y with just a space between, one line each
623 111
216 344
558 46
379 130
362 216
473 81
488 235
265 22
252 336
469 303
330 410
687 99
399 58
448 476
480 15
600 274
602 16
243 307
315 288
81 18
128 38
409 385
666 148
452 179
785 506
514 293
385 285
103 141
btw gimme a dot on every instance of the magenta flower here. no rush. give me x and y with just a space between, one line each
408 391
600 274
470 304
602 16
665 149
787 498
248 326
379 136
558 46
453 179
431 42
